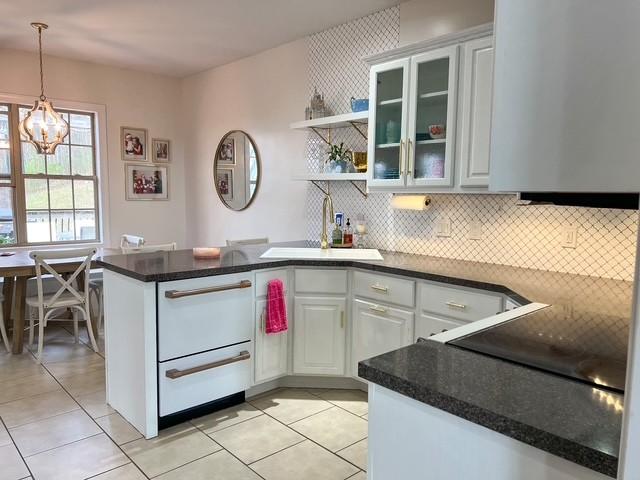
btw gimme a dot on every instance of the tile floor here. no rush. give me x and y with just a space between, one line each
55 424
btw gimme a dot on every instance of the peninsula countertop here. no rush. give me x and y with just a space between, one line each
564 417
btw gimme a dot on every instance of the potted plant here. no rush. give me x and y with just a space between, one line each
340 159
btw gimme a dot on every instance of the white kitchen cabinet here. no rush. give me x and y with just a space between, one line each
432 104
200 314
457 303
408 97
378 329
271 350
319 335
445 83
430 325
384 289
197 379
389 100
565 109
475 126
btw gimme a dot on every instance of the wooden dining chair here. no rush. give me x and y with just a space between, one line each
161 247
67 297
96 284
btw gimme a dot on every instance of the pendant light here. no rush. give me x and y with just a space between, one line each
43 127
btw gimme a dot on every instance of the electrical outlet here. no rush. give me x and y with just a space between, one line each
569 237
475 230
443 227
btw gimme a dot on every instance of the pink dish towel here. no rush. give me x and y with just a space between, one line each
276 308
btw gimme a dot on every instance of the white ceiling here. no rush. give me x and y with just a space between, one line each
173 37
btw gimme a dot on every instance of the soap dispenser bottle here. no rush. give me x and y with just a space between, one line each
347 235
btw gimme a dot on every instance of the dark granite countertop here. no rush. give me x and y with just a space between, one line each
564 417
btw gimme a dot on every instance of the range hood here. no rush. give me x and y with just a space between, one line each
626 201
566 102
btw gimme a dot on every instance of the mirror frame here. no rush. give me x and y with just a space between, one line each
215 169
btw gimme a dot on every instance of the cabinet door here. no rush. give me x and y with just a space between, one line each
319 335
428 326
388 91
271 350
432 117
475 134
378 329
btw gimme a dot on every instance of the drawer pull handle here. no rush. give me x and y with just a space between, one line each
378 308
201 291
341 319
380 288
460 306
175 373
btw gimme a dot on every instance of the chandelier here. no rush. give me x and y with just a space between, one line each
43 127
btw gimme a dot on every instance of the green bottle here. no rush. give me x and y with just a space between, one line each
336 235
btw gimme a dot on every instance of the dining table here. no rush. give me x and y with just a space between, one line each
16 268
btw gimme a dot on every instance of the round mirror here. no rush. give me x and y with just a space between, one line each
236 170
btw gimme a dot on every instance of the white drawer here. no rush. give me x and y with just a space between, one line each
191 381
321 281
204 321
456 303
384 289
263 279
428 326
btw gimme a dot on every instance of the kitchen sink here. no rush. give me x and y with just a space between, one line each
320 254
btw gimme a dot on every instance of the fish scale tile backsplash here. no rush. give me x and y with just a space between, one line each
522 236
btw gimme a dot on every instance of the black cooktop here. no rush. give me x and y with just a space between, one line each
576 346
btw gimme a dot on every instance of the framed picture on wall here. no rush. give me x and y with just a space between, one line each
146 182
224 182
160 150
133 142
227 152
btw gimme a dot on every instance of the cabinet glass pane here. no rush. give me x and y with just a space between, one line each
433 97
429 161
388 124
431 119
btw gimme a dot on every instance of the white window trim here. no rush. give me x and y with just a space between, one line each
102 170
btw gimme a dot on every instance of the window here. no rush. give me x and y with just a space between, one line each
48 199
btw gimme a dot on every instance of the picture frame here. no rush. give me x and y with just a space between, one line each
227 152
146 182
224 183
133 144
160 150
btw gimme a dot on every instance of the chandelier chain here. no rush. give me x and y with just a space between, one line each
42 96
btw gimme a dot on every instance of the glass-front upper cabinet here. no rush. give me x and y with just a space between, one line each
432 118
388 110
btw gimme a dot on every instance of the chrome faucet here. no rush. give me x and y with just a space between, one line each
324 240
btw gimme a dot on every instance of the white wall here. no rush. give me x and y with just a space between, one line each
424 19
131 99
261 94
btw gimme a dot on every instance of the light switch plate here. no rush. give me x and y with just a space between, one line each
443 227
569 236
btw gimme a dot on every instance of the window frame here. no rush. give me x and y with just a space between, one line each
18 178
